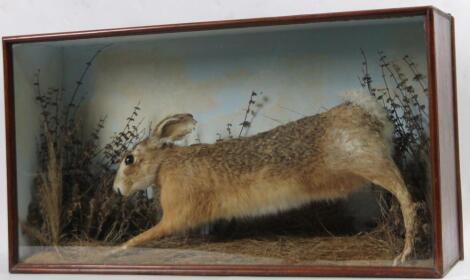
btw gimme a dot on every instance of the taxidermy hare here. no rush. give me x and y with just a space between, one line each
321 157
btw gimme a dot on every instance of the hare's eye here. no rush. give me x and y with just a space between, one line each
129 160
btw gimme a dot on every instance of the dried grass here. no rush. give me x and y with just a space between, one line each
50 188
73 199
362 248
293 249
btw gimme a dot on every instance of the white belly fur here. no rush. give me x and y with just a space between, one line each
266 198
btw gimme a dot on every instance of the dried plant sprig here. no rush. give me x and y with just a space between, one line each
229 131
71 107
407 96
418 76
259 104
121 141
255 103
245 123
74 197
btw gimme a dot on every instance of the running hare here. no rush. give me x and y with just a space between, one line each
320 157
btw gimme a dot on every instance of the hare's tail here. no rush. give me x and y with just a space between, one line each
370 105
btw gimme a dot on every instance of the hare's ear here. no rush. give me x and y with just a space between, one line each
173 128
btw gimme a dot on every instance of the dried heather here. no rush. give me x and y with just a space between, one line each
73 199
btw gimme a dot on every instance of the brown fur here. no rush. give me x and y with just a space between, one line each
321 157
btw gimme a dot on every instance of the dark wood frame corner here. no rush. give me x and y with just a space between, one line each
447 217
10 156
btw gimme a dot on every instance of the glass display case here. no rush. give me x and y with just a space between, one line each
302 145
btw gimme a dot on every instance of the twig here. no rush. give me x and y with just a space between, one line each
245 123
80 82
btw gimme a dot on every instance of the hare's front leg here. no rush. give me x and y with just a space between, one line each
156 232
175 218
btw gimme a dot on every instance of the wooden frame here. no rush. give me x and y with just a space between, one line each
447 220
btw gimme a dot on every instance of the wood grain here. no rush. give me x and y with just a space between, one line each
10 156
448 176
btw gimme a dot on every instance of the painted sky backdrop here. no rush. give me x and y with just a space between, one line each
303 70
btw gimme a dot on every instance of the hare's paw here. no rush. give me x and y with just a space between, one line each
117 251
402 257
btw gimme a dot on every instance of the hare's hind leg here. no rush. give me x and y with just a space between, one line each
384 173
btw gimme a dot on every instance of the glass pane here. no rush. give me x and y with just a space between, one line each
266 145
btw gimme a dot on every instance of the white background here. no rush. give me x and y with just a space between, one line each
29 17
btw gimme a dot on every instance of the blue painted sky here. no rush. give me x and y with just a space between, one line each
304 68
